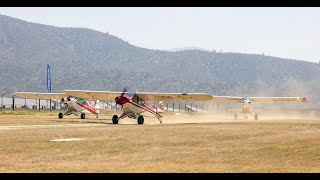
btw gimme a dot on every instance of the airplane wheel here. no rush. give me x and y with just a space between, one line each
256 116
140 119
235 116
115 119
60 115
83 116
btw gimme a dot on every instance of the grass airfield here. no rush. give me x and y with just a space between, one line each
184 142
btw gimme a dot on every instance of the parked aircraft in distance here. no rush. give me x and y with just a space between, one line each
246 103
135 104
74 105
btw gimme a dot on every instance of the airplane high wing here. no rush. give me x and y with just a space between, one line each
147 96
277 99
93 95
34 95
245 102
258 99
134 104
74 104
227 99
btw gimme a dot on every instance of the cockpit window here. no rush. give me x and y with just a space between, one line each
138 100
129 95
141 102
80 100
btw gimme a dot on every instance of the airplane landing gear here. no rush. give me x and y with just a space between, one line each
140 119
60 115
235 116
83 116
115 119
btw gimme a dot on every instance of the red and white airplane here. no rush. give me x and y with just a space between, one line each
74 105
134 105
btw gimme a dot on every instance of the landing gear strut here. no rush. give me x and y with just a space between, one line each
235 116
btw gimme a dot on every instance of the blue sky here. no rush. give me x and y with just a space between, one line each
276 31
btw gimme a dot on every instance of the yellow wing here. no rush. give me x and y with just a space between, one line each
150 96
277 99
93 95
258 99
227 99
37 95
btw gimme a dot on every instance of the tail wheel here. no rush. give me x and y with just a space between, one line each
140 119
83 116
115 119
60 115
235 116
256 116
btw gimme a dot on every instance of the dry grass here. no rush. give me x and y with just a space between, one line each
180 144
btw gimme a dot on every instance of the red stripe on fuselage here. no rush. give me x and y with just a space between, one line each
87 108
142 107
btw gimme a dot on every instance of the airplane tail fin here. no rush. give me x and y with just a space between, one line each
159 107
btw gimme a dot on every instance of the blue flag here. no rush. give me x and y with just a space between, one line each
48 79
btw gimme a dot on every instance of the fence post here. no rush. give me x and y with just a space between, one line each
173 107
13 98
2 101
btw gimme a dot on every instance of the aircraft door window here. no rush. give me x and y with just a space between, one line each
140 101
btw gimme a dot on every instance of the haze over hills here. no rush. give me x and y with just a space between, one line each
90 60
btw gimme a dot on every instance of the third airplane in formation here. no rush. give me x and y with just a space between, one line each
246 103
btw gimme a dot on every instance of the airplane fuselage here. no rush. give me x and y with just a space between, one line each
133 108
246 106
73 105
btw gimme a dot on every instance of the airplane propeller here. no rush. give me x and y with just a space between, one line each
64 100
125 89
61 102
121 98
